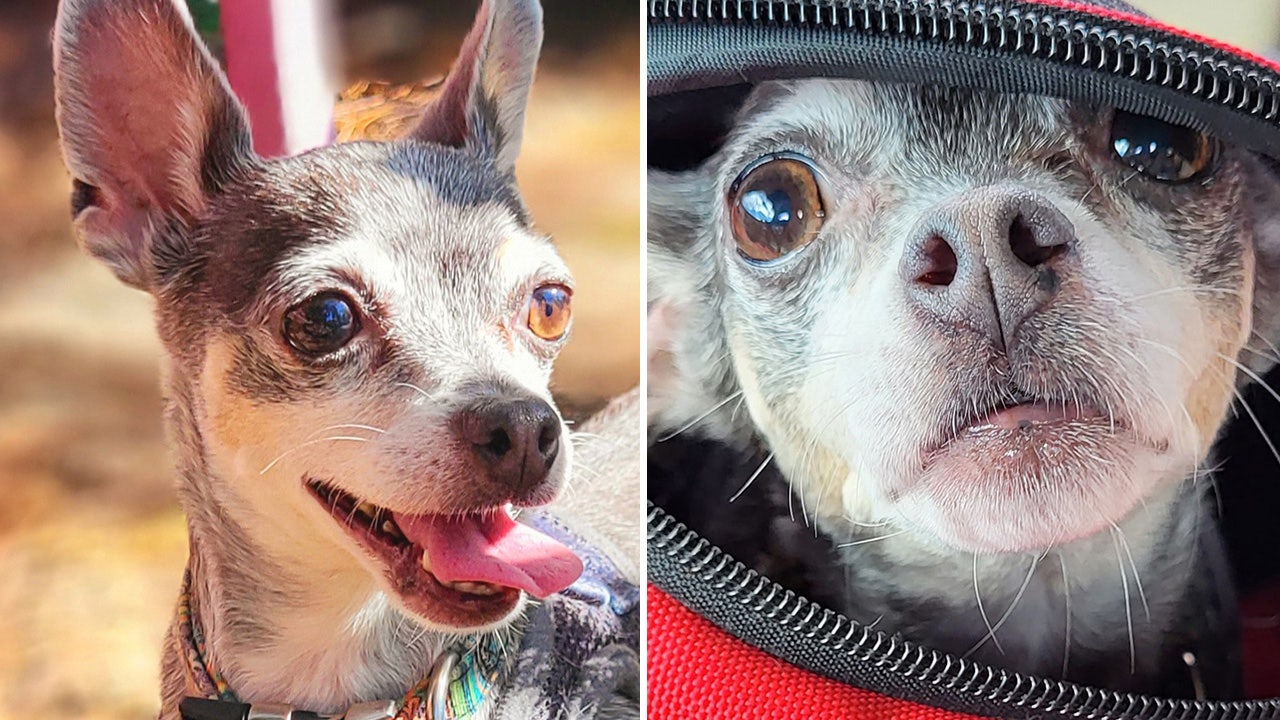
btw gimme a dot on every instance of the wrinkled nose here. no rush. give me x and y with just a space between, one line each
989 258
516 439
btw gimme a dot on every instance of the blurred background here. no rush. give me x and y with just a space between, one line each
1250 24
92 545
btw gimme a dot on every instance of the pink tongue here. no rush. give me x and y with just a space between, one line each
492 548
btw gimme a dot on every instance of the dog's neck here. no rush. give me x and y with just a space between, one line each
286 623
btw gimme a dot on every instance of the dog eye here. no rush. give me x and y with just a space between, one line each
321 324
549 311
1160 150
775 206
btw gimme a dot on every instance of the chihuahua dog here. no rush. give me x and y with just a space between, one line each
988 341
358 343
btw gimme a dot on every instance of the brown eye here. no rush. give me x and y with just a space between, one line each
549 311
1160 150
775 206
321 324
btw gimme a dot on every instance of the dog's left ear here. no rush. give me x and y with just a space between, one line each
482 103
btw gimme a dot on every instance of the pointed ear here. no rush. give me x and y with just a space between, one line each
149 127
483 100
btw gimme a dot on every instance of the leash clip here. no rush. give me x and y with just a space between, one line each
376 710
441 678
193 708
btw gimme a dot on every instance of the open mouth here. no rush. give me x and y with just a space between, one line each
463 570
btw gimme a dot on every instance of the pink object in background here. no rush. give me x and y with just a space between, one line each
280 60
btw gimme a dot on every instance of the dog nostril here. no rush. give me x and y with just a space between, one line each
940 263
548 440
1026 247
499 443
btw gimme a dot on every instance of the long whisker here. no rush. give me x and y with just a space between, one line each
1256 378
1137 579
296 448
991 631
1169 291
702 417
1265 354
1258 424
868 541
1066 600
347 426
414 388
807 456
1248 410
1266 341
752 479
1128 611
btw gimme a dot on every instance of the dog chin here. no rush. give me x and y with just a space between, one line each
1030 487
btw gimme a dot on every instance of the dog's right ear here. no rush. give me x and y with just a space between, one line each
150 129
481 105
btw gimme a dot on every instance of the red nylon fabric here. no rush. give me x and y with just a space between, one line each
1260 621
696 670
1085 7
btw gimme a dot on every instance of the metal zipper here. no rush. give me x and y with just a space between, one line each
1063 36
679 557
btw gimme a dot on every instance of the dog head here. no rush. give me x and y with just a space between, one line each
1000 322
359 338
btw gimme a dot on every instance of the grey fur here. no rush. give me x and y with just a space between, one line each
829 361
427 235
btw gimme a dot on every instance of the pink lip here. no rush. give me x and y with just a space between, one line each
1029 415
1037 423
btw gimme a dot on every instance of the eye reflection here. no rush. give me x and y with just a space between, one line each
775 206
769 209
550 311
1160 150
321 324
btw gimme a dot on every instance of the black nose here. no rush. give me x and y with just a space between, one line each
990 258
517 440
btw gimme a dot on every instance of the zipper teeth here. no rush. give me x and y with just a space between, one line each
803 618
1043 33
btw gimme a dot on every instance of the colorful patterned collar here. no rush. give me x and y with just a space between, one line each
456 688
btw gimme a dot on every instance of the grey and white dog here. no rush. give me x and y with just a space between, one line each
989 341
358 347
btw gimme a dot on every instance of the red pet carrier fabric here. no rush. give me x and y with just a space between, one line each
1260 621
698 671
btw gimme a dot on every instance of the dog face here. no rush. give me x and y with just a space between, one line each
362 335
999 322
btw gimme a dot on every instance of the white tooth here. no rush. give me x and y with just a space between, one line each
367 508
474 588
426 561
390 528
